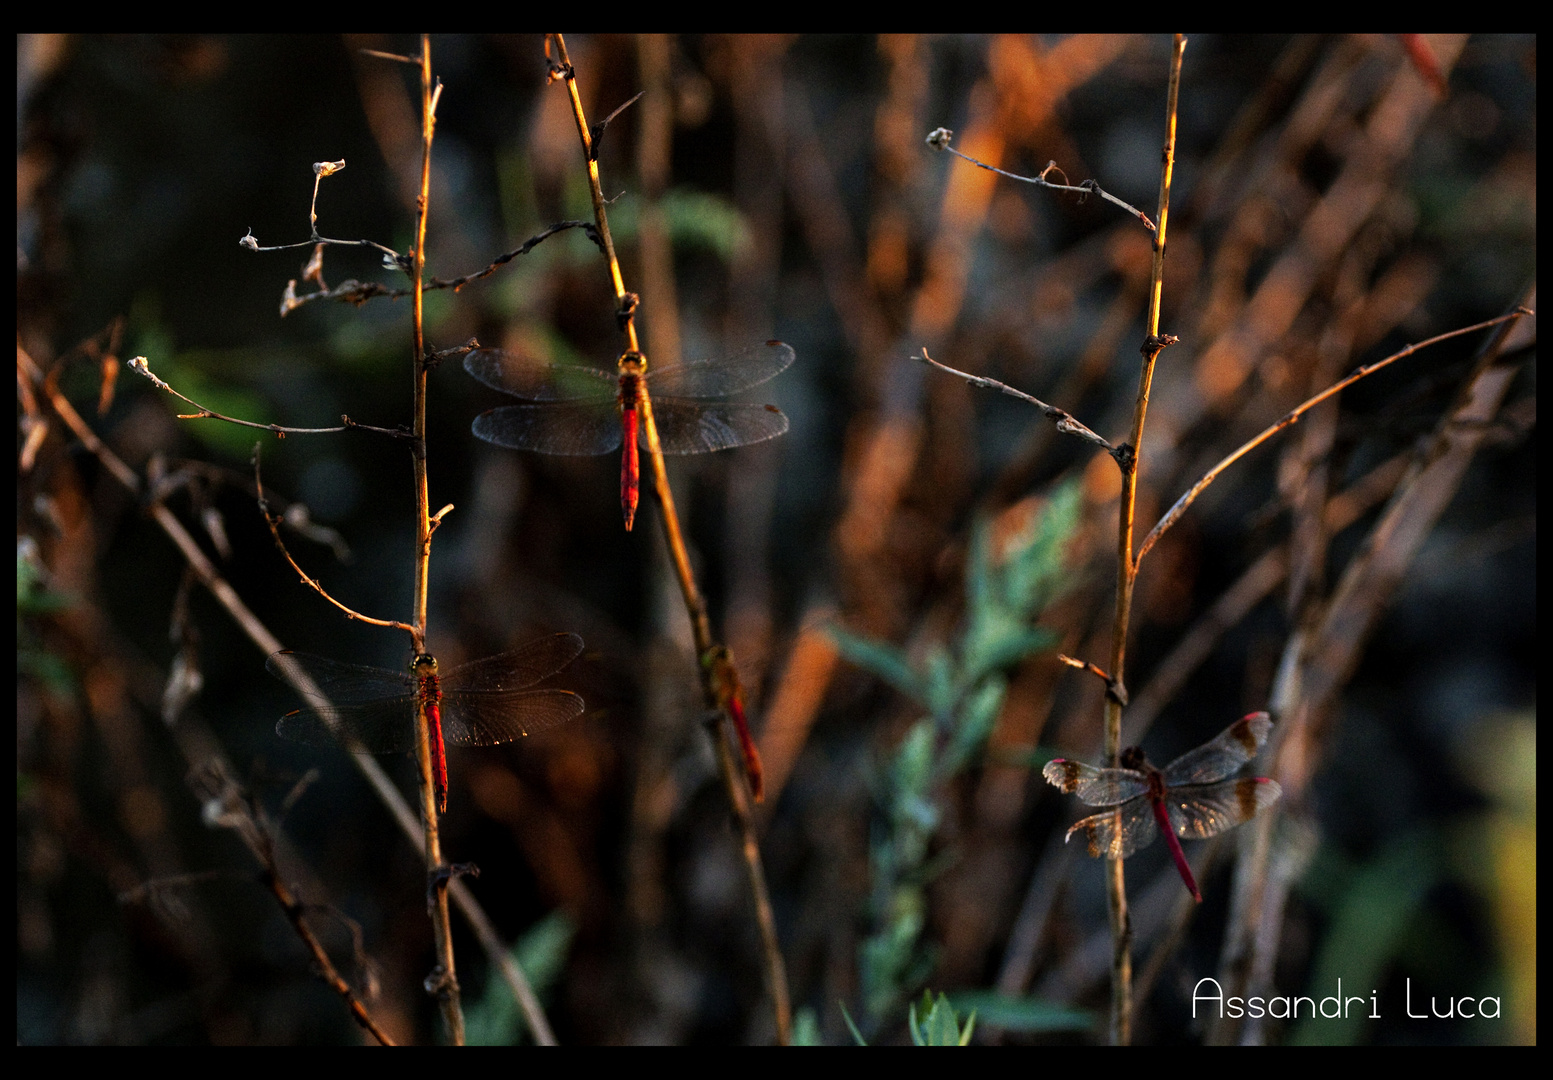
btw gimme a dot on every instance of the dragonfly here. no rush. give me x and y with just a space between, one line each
482 703
1189 797
570 409
718 660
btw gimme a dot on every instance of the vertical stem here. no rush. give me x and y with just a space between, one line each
446 980
654 142
774 968
1127 570
624 300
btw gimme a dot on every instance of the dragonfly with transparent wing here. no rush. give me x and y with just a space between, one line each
483 703
1187 798
570 409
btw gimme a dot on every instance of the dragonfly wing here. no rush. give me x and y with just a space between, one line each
580 429
1117 832
1097 787
1207 810
698 427
523 666
528 377
487 718
723 376
326 682
1221 755
386 726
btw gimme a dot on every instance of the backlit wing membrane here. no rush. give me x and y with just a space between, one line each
1097 787
1189 798
525 376
334 679
573 428
1200 812
1117 832
1221 755
385 726
485 718
722 376
483 703
695 427
523 666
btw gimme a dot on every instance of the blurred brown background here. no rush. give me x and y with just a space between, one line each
1334 200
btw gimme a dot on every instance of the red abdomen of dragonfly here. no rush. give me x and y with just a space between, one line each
752 767
1156 797
431 701
630 483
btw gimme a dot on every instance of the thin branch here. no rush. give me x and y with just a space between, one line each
228 805
201 566
358 292
273 520
352 291
141 366
939 138
598 129
1126 568
1061 417
497 951
1292 417
713 688
413 61
1112 687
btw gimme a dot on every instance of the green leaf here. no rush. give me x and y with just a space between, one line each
1032 565
981 597
50 670
1367 925
943 689
695 219
698 219
494 1020
1023 757
892 961
33 597
883 660
541 952
977 716
856 1034
912 771
1002 647
1022 1014
806 1028
939 1025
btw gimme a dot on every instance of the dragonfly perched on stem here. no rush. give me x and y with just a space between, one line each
730 698
584 411
1189 797
482 703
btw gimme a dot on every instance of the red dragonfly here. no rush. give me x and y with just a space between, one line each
482 703
730 698
585 411
1189 797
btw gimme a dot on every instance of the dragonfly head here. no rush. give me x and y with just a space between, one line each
423 665
632 363
1132 757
